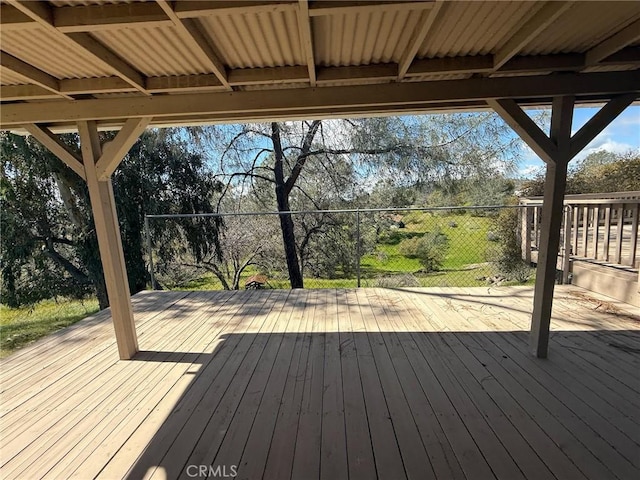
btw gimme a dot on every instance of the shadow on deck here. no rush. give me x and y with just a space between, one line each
424 383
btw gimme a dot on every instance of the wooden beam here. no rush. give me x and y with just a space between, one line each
87 86
419 35
110 243
526 128
322 8
552 211
114 151
119 66
30 74
43 15
599 122
55 146
401 97
112 16
207 8
387 71
445 65
13 19
544 63
615 43
184 83
190 33
268 76
10 93
532 27
306 39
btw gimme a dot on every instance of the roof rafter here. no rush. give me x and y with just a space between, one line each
362 98
30 73
41 13
531 28
306 39
427 19
615 43
193 37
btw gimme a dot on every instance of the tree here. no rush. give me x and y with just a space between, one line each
600 172
416 149
46 213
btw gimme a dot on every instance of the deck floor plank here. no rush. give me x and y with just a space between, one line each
354 384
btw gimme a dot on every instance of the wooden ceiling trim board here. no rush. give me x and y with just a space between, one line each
531 28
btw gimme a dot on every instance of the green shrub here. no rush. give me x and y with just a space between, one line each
506 255
430 249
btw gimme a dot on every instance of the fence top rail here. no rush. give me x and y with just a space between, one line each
586 202
348 210
578 197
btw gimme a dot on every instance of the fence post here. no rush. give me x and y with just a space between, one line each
147 232
358 245
566 258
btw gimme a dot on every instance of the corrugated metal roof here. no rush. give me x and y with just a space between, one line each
154 51
7 77
583 26
46 51
474 28
362 38
265 39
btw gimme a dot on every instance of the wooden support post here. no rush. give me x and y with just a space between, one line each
556 150
109 241
596 231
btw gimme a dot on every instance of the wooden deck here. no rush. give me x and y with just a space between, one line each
331 384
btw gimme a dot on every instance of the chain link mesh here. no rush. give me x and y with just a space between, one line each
444 247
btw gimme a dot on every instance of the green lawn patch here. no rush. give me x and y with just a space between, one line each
24 325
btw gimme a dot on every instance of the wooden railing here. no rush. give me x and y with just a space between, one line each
598 227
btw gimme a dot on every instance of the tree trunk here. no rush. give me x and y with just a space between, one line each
289 239
286 222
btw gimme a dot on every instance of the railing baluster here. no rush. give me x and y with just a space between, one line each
576 225
585 231
596 230
619 234
634 237
566 259
607 233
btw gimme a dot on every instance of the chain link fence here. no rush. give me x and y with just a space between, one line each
410 247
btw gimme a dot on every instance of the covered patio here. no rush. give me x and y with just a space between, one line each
367 383
321 384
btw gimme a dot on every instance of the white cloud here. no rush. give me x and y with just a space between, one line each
604 142
530 170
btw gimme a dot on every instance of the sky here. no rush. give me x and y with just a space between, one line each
622 135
